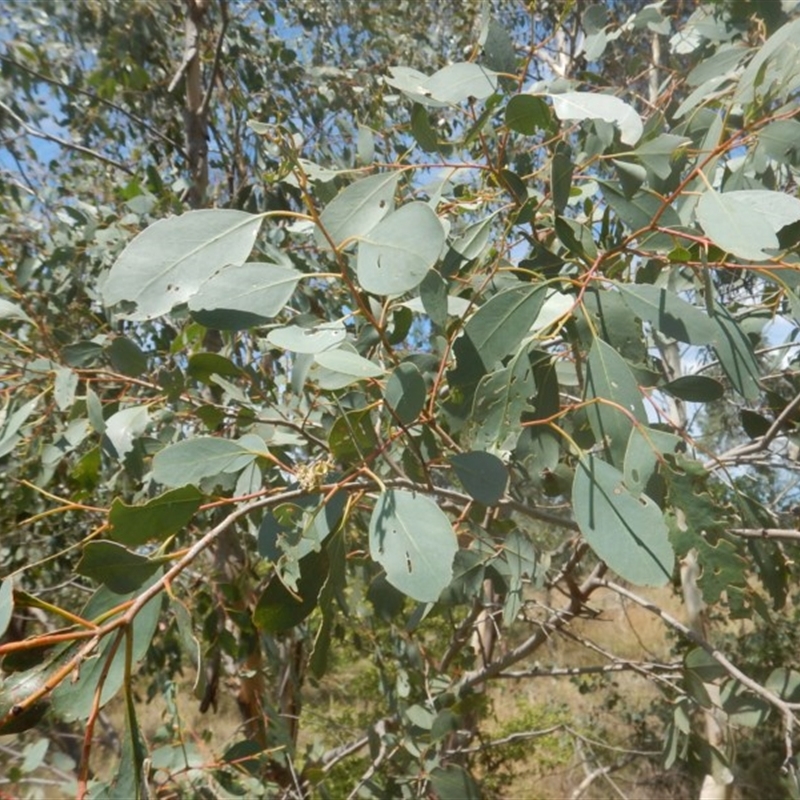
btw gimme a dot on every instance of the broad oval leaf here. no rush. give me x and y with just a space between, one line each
746 223
9 310
590 105
168 261
412 539
358 208
395 255
252 291
192 460
483 475
627 531
156 519
462 81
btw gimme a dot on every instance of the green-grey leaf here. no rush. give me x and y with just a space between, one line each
348 363
123 428
192 460
395 255
627 531
74 699
642 455
695 388
746 223
257 290
156 519
638 212
458 82
775 61
168 261
658 153
499 325
781 141
9 429
126 357
6 603
499 401
453 782
325 336
9 310
405 392
608 377
412 539
669 314
735 353
116 567
483 475
527 114
64 386
471 243
358 208
590 105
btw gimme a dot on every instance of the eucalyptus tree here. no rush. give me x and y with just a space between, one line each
476 278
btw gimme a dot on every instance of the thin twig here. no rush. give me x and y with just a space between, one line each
35 132
781 534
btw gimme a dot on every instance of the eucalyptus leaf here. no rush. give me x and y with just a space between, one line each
168 262
254 291
412 539
358 208
589 105
746 223
626 530
483 475
192 460
395 256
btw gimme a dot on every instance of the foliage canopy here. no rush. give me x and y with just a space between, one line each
375 342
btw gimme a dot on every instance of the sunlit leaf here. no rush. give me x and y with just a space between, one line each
123 428
498 326
589 105
242 295
395 255
316 339
358 208
169 261
746 223
9 310
192 460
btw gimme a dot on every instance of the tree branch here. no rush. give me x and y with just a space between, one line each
79 148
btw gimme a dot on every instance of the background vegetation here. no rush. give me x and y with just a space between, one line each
398 399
